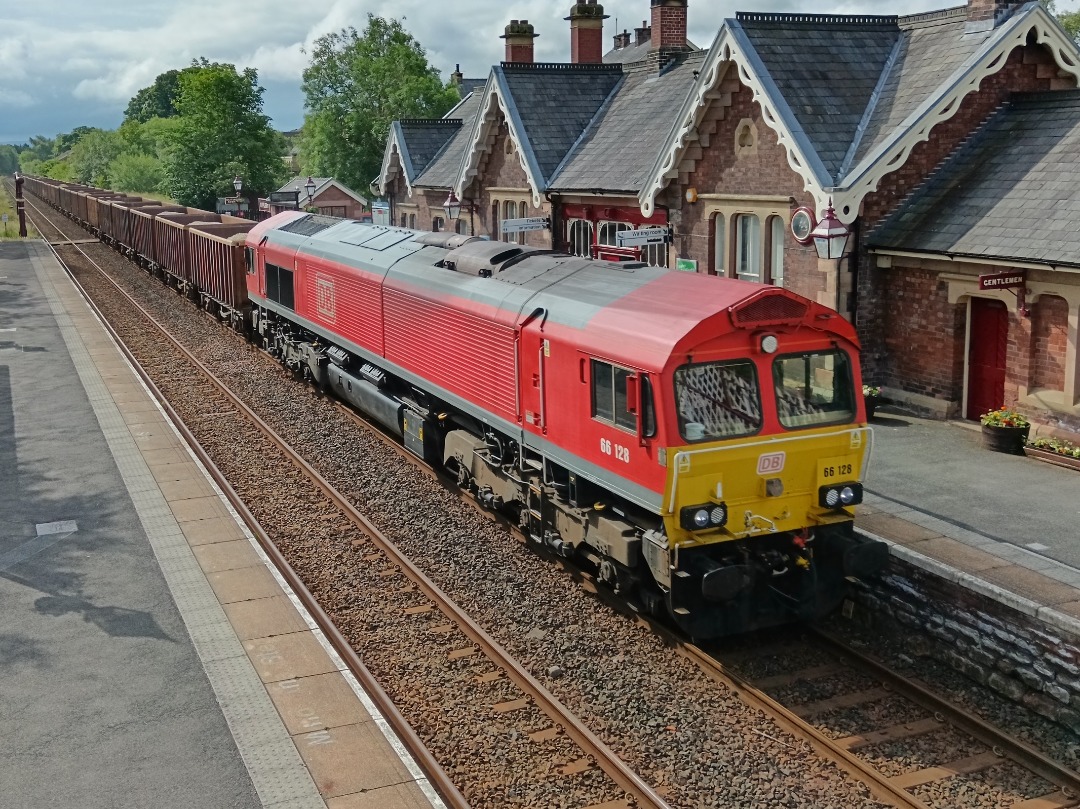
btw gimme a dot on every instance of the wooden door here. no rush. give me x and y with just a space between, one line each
987 356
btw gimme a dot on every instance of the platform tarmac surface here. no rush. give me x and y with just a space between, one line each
148 654
1004 525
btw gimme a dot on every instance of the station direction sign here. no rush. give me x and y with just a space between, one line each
643 237
523 225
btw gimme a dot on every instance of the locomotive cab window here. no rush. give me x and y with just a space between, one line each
614 395
814 388
717 400
249 254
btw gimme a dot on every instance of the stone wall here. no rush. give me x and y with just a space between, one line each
1024 657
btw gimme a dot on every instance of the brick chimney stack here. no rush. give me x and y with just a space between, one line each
587 33
642 34
990 12
668 25
457 76
622 40
519 38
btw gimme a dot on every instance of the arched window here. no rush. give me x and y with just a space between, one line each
412 221
608 233
496 229
510 212
720 244
404 221
777 229
459 226
748 247
437 224
579 237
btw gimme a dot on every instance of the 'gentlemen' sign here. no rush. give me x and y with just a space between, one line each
1001 280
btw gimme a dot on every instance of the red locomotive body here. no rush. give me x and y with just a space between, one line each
698 440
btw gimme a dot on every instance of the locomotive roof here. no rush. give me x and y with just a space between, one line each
626 312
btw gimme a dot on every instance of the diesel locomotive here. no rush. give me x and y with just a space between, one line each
700 442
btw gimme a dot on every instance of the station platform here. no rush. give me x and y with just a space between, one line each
149 654
1005 526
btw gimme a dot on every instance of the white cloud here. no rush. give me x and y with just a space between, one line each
68 57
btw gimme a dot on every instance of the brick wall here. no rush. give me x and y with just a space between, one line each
499 169
762 171
1028 68
923 334
334 198
1050 339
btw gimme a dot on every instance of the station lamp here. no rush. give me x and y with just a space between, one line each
309 186
830 236
452 206
237 184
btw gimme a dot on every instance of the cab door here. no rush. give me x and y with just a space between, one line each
534 354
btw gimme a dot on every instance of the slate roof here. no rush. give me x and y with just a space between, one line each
620 147
1009 193
466 86
930 48
825 67
421 140
551 105
442 169
629 54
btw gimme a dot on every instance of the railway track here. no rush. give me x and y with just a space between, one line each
536 734
489 785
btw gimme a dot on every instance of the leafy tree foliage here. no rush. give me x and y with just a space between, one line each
9 159
156 101
221 132
67 140
92 154
355 87
140 173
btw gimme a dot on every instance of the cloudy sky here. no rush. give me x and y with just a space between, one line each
69 63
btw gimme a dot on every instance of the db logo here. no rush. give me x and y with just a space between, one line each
771 463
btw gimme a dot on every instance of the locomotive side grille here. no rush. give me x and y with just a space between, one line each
310 225
768 308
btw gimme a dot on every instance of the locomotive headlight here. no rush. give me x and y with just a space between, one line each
769 344
840 495
700 518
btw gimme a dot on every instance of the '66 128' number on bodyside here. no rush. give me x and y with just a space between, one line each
620 452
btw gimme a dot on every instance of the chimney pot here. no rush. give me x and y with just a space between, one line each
519 36
587 32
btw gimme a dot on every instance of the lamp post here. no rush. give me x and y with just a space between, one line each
830 236
237 184
309 186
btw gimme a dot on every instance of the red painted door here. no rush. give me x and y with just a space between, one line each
987 356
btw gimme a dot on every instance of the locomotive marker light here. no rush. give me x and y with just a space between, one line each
830 236
769 344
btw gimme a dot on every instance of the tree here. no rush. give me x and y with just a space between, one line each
68 140
136 172
355 87
221 132
9 159
91 156
156 101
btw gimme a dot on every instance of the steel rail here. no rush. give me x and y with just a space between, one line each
629 781
1018 751
431 768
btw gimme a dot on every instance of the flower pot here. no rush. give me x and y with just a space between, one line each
871 403
1055 458
1005 439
